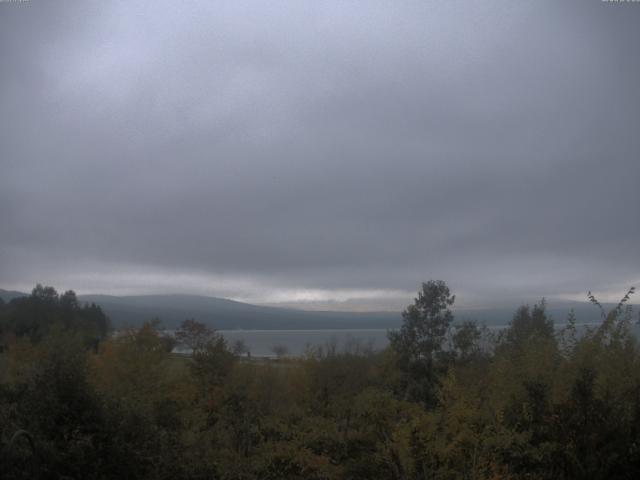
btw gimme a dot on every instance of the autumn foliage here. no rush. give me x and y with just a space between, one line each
445 400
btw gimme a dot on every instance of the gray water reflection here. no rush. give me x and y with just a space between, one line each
261 343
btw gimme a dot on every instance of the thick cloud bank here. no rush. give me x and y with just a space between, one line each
336 153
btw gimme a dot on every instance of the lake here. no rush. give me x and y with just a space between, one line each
261 342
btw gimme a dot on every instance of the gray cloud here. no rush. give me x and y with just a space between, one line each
306 150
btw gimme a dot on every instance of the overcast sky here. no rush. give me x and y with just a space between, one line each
327 154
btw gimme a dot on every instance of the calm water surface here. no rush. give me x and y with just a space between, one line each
261 343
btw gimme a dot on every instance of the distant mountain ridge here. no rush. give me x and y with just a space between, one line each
226 314
8 295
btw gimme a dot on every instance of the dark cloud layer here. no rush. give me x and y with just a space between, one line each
320 151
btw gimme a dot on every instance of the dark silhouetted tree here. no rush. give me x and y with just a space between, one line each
419 342
529 323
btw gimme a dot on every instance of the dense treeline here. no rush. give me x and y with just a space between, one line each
444 400
44 311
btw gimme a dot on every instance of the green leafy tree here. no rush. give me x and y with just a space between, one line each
37 315
212 359
419 342
466 341
529 323
193 334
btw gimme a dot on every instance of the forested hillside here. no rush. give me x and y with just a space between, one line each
445 400
224 314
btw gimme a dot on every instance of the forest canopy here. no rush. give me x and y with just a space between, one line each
444 400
